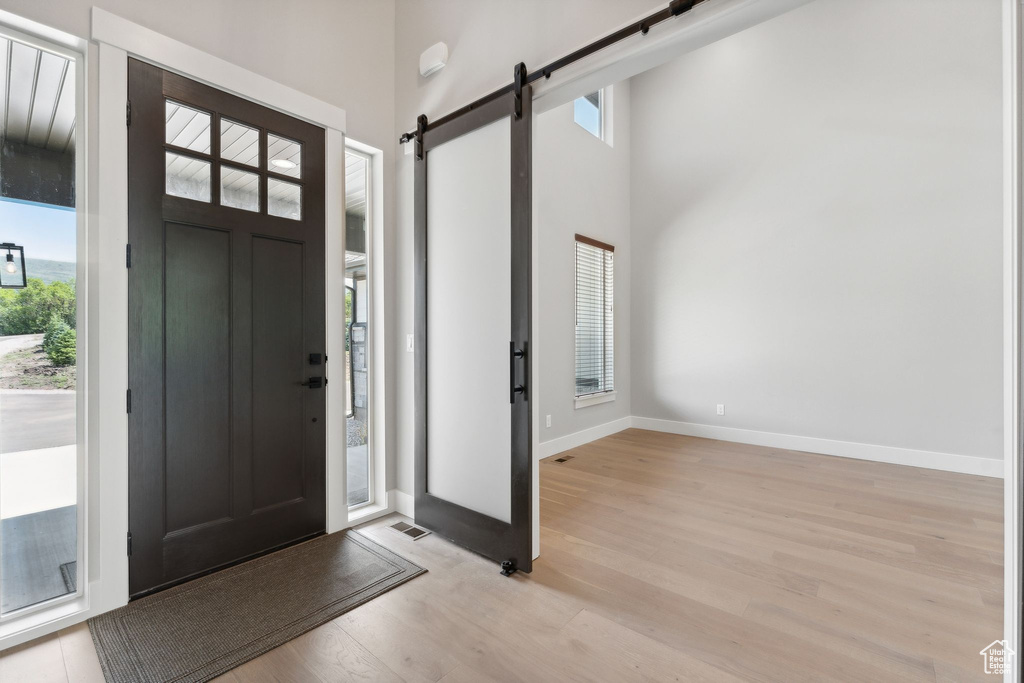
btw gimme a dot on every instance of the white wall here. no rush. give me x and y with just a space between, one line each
817 228
581 185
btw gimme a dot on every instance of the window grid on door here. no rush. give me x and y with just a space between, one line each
242 166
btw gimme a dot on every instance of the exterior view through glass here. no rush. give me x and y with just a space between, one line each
38 338
357 322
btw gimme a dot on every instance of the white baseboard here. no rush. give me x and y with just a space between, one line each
564 443
402 502
950 462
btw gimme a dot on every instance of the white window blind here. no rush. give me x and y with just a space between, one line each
595 317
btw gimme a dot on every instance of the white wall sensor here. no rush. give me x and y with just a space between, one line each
433 59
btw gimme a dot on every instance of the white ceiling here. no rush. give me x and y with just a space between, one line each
38 92
355 184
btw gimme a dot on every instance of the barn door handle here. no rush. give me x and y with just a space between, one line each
514 388
315 383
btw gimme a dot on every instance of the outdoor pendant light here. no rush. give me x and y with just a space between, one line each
9 278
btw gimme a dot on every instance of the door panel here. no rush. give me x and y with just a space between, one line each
278 364
227 447
198 344
473 256
469 432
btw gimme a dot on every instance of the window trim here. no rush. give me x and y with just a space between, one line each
604 395
595 399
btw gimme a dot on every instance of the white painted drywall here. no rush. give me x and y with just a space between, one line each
469 317
816 228
580 185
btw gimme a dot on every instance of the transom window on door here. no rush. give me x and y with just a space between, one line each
243 167
595 321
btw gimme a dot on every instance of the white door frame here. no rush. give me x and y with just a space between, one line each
118 40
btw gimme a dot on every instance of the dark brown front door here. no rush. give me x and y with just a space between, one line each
226 329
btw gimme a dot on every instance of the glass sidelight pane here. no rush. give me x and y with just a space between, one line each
469 420
39 346
284 156
358 373
239 143
239 189
187 177
284 199
187 127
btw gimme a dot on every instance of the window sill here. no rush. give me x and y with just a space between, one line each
594 399
22 627
366 512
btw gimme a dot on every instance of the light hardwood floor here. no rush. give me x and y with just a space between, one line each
671 558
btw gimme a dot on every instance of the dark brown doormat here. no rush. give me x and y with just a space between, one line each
203 628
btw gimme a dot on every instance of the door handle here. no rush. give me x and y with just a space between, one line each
513 388
315 383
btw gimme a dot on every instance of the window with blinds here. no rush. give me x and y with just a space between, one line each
595 317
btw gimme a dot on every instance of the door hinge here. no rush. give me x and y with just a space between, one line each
127 256
128 113
129 401
129 544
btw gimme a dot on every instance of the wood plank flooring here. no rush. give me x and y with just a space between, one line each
671 558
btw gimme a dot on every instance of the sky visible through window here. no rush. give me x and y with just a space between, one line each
587 113
46 231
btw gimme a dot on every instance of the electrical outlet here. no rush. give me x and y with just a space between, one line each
547 421
410 342
721 409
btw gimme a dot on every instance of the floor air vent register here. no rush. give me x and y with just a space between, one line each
413 532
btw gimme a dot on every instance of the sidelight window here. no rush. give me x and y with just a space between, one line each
358 321
42 355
